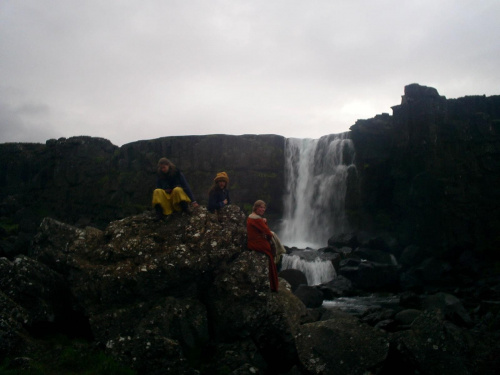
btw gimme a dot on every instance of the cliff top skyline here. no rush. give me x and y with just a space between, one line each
143 70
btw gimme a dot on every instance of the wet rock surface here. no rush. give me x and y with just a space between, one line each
185 296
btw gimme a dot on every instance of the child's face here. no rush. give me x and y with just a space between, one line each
260 210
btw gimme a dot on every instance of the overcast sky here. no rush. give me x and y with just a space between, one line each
130 70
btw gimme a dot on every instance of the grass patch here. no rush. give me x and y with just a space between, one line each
60 355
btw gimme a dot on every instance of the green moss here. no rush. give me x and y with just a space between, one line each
247 207
267 174
100 159
9 227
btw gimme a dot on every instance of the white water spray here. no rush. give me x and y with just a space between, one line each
317 272
316 175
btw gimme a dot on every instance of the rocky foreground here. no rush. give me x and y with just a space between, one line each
186 297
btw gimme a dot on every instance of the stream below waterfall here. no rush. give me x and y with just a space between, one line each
361 304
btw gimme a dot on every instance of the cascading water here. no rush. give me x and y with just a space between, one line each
317 271
316 176
314 206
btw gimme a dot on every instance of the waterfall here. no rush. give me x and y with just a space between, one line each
316 176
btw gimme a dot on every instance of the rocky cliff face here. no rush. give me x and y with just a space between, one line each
430 172
89 181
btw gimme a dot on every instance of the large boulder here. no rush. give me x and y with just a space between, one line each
310 296
242 307
153 336
33 299
341 345
448 305
159 295
13 336
138 257
433 346
37 289
370 275
294 277
338 287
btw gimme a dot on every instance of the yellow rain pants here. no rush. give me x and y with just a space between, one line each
170 202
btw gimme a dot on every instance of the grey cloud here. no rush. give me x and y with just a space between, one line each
151 68
16 124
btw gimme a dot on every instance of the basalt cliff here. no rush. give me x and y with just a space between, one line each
429 173
81 253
